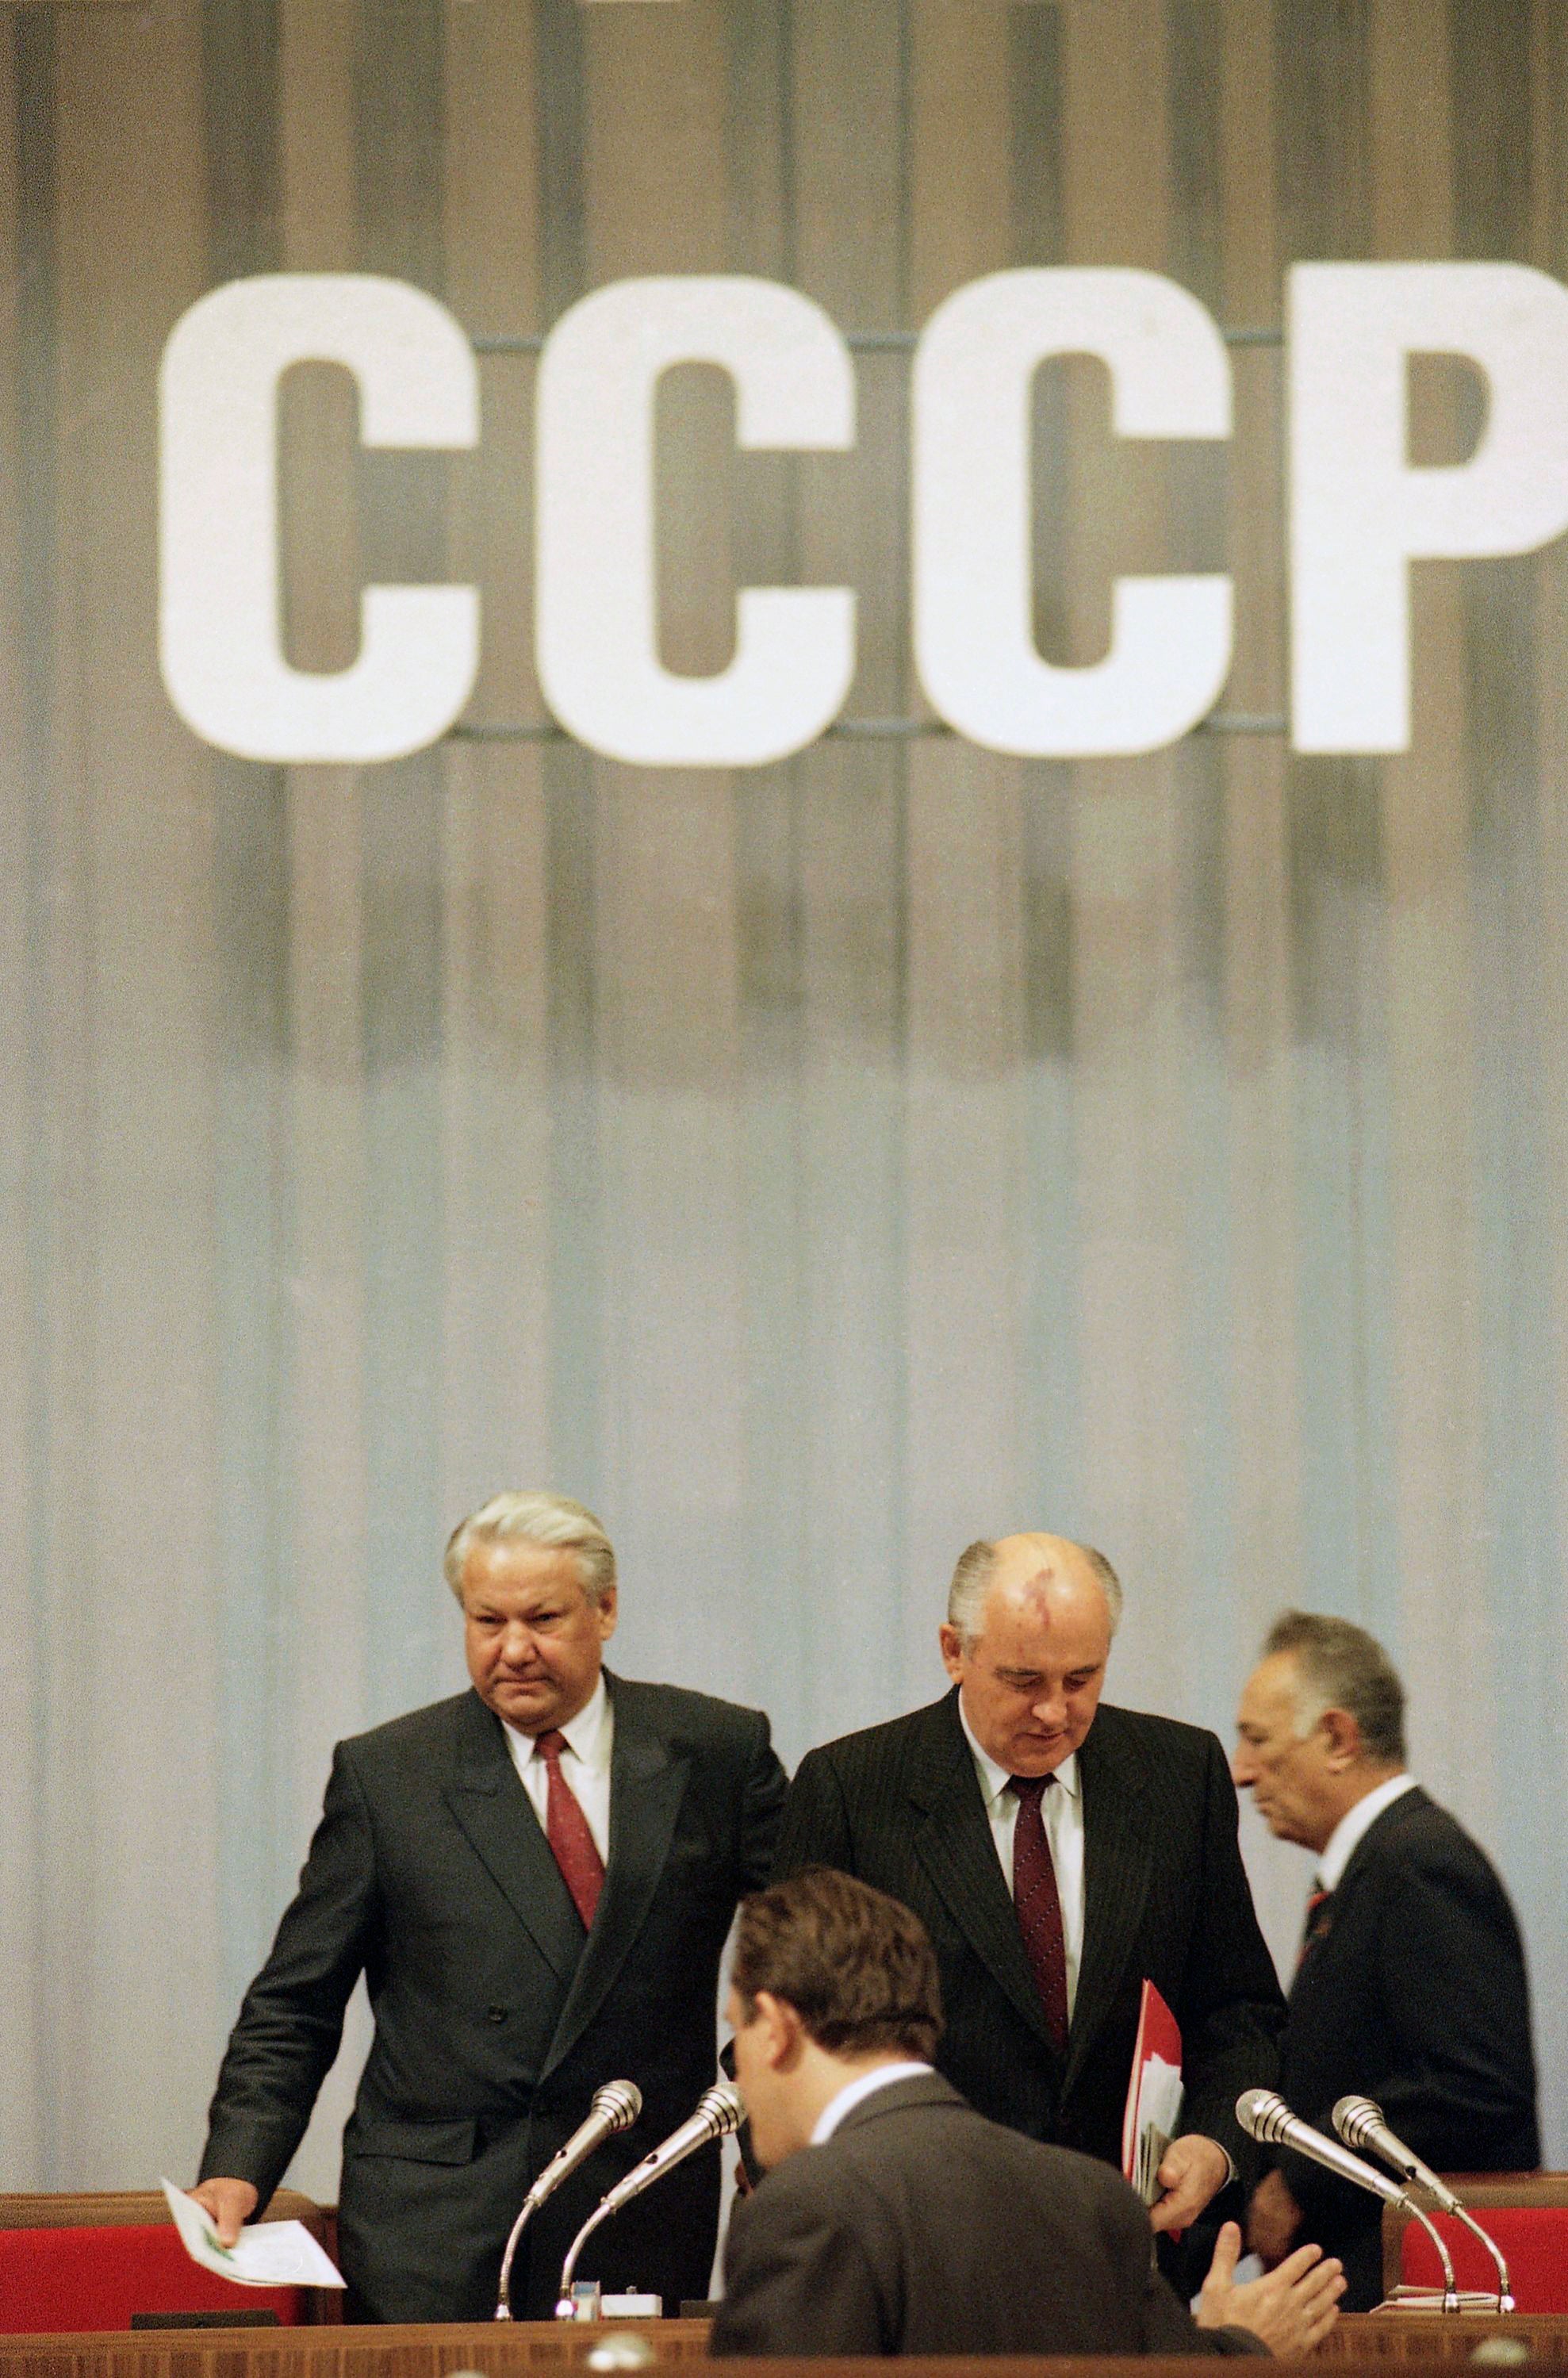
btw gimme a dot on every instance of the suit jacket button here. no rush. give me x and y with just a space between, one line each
495 2015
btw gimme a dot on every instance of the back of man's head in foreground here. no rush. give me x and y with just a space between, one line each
858 1967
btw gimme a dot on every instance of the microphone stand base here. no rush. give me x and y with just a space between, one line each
585 2302
1441 2299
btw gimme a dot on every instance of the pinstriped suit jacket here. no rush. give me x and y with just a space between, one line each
1166 1900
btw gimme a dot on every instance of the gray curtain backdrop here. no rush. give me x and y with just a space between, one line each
810 1169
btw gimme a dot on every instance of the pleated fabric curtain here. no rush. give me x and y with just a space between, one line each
811 1168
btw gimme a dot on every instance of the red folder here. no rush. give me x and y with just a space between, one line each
1154 2093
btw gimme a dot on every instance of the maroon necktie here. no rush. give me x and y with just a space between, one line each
1035 1897
1316 1923
566 1829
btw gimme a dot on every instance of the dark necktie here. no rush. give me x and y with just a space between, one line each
1316 1923
1039 1903
566 1829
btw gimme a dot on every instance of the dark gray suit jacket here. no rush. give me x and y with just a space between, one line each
495 2019
919 2228
1166 1900
1411 1991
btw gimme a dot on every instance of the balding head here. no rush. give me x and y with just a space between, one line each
1033 1559
1030 1619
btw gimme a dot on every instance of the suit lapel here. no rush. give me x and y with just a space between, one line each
647 1785
953 1840
488 1801
1117 1853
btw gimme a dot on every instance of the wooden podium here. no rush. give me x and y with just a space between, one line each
1365 2343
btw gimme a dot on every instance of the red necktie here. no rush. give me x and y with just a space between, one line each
1035 1897
1314 1931
566 1829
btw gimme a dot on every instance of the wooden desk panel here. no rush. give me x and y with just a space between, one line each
498 2348
1366 2343
494 2350
1370 2338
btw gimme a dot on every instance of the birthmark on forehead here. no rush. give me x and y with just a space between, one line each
1037 1591
1032 1603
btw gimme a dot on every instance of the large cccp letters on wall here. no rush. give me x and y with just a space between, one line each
1359 511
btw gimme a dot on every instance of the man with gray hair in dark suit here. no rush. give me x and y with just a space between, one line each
536 1879
893 2218
1410 1987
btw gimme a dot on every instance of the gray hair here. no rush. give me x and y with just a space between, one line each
976 1568
1339 1665
553 1522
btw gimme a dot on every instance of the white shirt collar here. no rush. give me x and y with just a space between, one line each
585 1735
1354 1823
881 2076
994 1780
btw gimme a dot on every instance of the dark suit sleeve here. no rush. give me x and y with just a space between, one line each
816 1826
291 2023
1231 2010
798 2278
763 1807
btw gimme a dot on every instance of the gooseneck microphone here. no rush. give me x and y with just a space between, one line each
1360 2123
1266 2117
718 2112
614 2108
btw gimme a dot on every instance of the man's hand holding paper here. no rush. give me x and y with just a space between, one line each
269 2254
230 2203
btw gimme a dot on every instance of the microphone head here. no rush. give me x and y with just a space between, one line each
1355 2119
724 2107
1262 2114
620 2101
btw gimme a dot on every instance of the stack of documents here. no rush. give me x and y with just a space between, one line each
1153 2095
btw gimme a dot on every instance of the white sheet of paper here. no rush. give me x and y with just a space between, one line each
1159 2110
268 2255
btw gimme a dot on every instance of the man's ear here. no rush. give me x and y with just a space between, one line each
1345 1744
952 1644
779 2029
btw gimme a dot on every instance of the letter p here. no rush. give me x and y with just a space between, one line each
1361 513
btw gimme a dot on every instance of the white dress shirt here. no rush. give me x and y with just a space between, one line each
881 2076
1061 1812
1354 1823
585 1765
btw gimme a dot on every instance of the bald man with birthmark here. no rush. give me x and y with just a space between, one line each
1061 1852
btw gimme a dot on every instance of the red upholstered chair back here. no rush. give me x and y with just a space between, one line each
57 2279
91 2262
1533 2240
